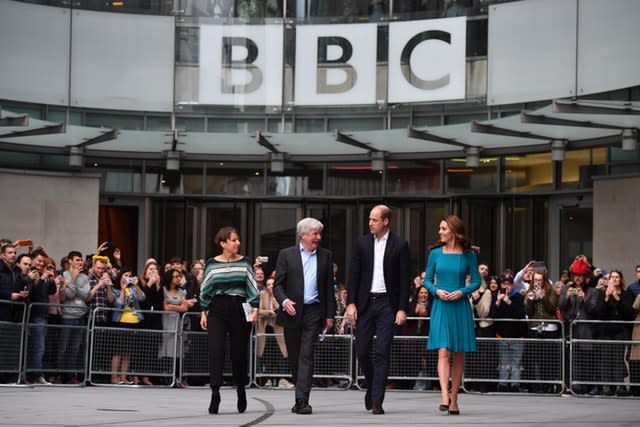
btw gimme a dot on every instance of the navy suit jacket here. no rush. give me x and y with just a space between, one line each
289 284
396 272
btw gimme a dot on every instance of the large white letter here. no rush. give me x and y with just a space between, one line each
241 65
427 60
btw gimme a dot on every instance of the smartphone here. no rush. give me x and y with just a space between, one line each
263 259
538 266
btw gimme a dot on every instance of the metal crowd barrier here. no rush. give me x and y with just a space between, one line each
55 350
194 353
604 360
148 352
178 352
11 341
539 361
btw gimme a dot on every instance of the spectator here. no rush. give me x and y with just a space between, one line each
341 326
524 278
615 305
484 304
267 324
175 300
41 287
541 303
634 359
73 296
9 275
151 285
510 305
127 300
260 278
100 297
578 303
417 325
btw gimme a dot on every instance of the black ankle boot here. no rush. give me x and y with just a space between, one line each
242 399
215 400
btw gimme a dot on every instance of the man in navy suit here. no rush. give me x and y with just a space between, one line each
377 301
303 287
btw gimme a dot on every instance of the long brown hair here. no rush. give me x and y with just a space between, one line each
456 225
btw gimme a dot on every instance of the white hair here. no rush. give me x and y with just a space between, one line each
306 225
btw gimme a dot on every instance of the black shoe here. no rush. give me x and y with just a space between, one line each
367 399
503 388
376 408
302 407
443 407
621 391
242 399
608 391
215 402
594 391
454 412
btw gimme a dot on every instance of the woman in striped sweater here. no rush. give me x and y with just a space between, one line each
229 281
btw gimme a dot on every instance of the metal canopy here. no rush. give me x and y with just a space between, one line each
578 124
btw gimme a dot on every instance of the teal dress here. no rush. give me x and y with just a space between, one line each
452 321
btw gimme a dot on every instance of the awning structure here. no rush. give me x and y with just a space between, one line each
560 126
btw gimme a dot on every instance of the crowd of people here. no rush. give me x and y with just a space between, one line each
66 293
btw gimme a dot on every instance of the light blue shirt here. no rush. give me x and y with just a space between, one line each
310 270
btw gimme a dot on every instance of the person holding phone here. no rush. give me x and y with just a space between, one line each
229 282
128 295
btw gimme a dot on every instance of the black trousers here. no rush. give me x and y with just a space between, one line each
226 316
378 319
301 343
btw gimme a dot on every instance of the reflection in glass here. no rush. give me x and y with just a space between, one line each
235 180
579 167
463 179
277 230
413 178
219 217
353 180
532 172
173 222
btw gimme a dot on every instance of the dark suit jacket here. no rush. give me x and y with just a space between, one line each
396 272
290 284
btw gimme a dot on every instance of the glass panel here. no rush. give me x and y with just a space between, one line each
579 166
187 45
115 121
338 234
55 162
517 247
481 218
277 230
348 10
353 180
193 124
463 179
119 224
276 125
407 10
58 116
372 123
310 125
576 234
423 121
32 112
173 223
218 217
413 178
533 172
399 122
307 180
235 125
192 180
12 159
235 180
415 232
158 123
121 182
617 155
455 119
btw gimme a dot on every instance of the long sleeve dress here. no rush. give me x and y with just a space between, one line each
452 321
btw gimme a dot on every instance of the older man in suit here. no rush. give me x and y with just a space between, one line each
377 301
304 291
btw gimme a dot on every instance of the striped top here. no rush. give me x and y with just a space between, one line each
235 278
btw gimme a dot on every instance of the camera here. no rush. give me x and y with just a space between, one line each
263 259
129 281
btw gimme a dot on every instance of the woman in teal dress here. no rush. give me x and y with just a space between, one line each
449 264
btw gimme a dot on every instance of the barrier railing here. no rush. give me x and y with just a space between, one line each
604 360
11 340
599 360
56 350
194 354
534 363
120 352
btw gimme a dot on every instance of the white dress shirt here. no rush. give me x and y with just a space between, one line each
379 246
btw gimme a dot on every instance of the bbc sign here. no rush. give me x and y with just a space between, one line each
334 64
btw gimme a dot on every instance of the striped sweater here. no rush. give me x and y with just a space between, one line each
235 278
